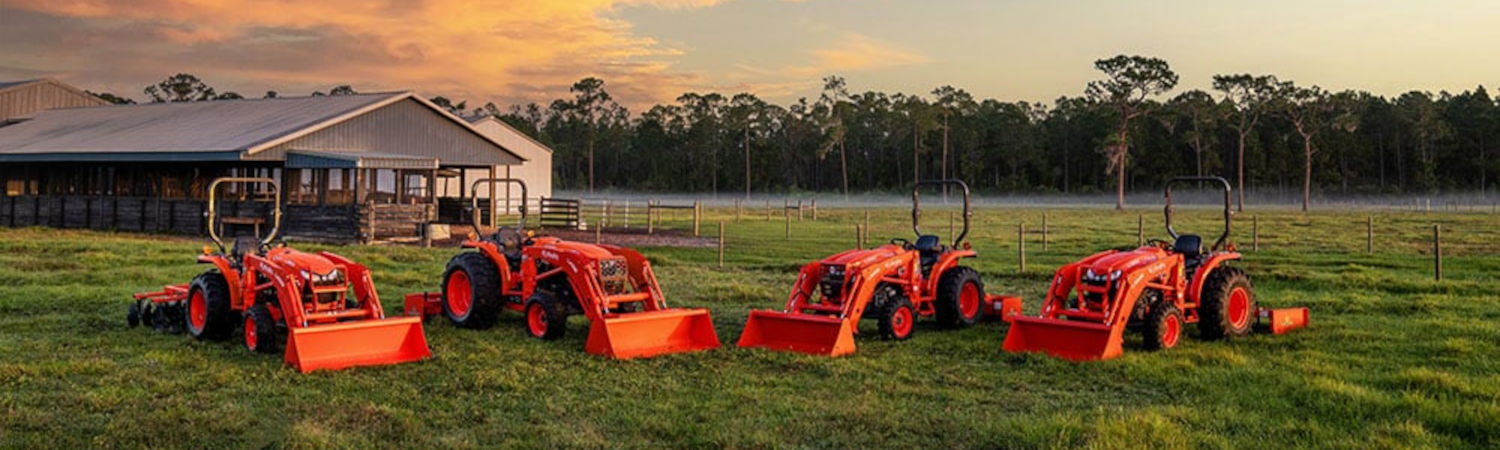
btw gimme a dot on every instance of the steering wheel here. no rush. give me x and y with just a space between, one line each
1158 243
902 242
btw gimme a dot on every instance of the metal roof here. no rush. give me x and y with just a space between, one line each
8 84
190 130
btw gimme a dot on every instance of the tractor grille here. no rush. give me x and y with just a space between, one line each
614 275
832 284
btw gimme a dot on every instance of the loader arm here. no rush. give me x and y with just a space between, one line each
358 276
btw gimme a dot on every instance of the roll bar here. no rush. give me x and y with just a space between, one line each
916 206
474 200
1228 213
213 230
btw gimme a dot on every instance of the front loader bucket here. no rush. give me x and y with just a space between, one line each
361 343
651 333
1071 340
805 333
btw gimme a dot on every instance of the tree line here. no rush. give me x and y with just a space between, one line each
1129 130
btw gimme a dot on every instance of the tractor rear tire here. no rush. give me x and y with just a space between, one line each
960 297
262 333
206 311
1226 305
897 319
546 316
1163 328
471 291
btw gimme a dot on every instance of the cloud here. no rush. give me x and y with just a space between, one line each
851 52
506 50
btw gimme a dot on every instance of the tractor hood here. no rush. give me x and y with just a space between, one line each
1108 264
864 257
304 262
552 249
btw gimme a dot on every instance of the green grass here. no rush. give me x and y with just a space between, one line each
1392 359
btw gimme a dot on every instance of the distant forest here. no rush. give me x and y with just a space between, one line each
1130 130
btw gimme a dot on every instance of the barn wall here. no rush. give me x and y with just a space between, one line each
23 101
177 216
406 128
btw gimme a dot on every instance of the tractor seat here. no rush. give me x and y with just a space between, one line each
1190 246
928 246
245 245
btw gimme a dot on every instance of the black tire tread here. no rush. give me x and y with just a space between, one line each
1152 329
268 335
221 321
1213 309
949 289
887 311
557 315
484 280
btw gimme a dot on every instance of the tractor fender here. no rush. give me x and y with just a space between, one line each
1195 288
947 261
231 277
492 251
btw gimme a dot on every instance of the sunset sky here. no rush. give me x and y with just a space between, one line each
649 51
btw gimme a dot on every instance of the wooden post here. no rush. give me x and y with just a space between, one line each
650 217
721 244
1140 230
598 230
867 225
768 210
1255 233
1369 234
799 210
739 208
627 214
1437 253
1021 247
1044 231
815 209
697 216
788 218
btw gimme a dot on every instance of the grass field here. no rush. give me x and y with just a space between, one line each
1392 359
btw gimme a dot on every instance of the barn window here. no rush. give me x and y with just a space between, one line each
340 187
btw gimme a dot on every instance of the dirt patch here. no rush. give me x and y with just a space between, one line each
617 236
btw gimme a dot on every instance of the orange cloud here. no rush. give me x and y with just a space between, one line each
507 50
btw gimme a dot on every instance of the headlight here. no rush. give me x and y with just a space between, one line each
1114 275
1089 275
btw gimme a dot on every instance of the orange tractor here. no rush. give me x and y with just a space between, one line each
893 284
283 300
547 279
1157 289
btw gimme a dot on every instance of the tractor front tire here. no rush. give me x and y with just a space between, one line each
206 312
1226 305
1163 327
897 319
262 335
471 291
546 317
960 297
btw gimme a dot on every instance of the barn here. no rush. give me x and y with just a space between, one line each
536 171
355 168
